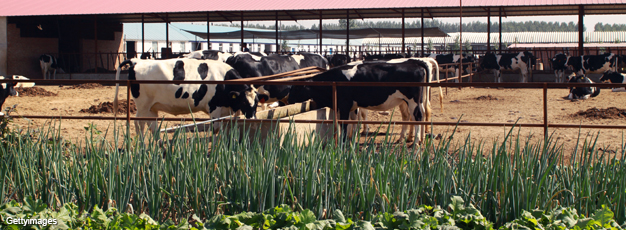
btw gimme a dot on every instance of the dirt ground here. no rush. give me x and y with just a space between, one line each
464 105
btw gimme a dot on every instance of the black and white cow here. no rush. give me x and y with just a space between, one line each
338 59
209 55
215 100
49 66
6 89
582 92
249 65
361 114
583 65
453 59
615 78
310 59
371 98
524 61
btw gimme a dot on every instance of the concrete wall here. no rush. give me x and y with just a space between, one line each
108 50
25 52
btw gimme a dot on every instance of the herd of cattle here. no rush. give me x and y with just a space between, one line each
225 99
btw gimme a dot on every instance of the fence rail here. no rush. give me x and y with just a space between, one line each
544 86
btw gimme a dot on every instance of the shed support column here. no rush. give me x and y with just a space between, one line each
95 40
208 32
422 31
167 31
348 33
403 44
241 44
277 46
581 39
143 35
321 44
500 31
4 48
488 30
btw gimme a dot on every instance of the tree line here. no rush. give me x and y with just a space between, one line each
475 26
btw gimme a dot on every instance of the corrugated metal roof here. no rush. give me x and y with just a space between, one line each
514 37
195 10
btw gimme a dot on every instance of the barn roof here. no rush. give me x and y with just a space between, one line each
253 10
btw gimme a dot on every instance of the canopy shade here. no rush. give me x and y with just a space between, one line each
332 34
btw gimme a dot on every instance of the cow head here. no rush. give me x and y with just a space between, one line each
6 89
529 58
612 77
245 100
559 62
582 92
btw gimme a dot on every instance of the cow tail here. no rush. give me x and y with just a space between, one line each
436 68
117 85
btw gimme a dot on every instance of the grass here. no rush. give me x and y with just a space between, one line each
234 172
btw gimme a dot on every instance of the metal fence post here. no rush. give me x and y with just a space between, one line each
545 111
127 104
335 124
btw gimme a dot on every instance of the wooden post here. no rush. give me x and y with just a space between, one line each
545 110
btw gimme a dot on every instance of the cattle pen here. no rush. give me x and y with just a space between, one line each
310 72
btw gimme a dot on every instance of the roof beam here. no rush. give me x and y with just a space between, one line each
359 14
429 13
224 16
291 16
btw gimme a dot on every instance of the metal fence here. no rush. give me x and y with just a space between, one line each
543 86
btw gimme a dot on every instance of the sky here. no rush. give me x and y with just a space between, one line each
589 20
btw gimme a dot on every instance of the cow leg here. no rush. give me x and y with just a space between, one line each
417 112
353 128
43 71
54 74
406 116
363 117
140 125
